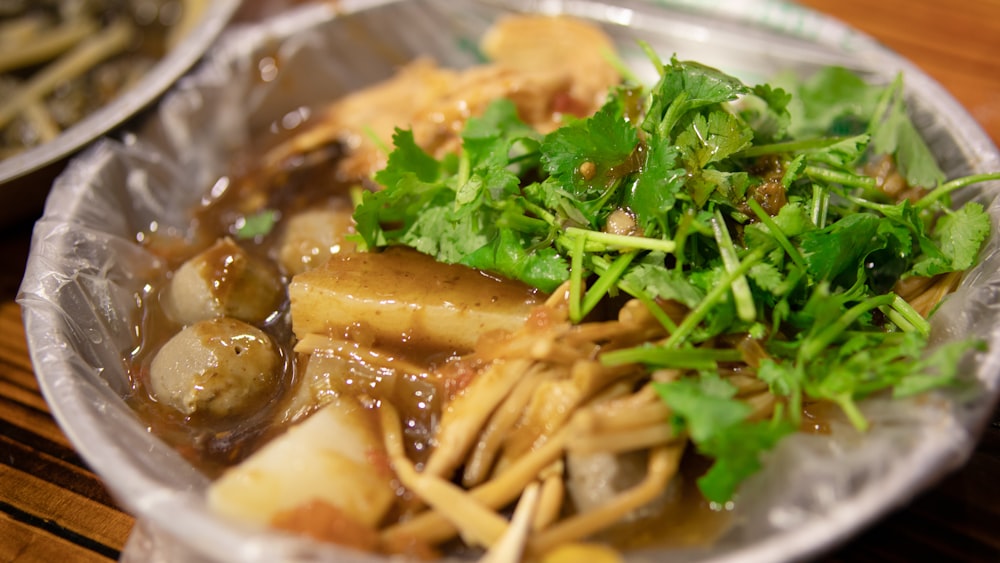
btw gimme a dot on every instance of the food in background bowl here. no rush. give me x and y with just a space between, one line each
62 60
52 109
532 306
816 487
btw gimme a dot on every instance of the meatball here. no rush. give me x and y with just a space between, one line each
223 281
220 367
312 237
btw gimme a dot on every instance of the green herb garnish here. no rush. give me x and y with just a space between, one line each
256 225
749 208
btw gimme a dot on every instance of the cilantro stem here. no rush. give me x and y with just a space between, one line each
380 144
850 408
684 227
815 344
599 241
576 279
600 266
539 211
839 177
605 282
522 223
680 358
676 108
654 309
464 169
883 208
820 206
745 306
906 317
800 145
712 298
949 187
777 233
885 100
628 75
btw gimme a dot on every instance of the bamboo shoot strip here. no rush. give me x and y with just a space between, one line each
191 13
43 47
99 47
41 121
17 31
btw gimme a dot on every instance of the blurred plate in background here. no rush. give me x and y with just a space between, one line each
25 177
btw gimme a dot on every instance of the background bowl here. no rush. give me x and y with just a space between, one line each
85 270
25 178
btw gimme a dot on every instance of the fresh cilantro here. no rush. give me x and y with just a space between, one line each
257 225
706 141
766 111
834 101
653 195
895 134
706 408
685 88
958 237
603 142
751 213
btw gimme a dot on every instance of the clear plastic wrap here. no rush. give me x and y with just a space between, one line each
86 268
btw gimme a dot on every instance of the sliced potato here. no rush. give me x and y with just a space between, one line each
403 297
335 457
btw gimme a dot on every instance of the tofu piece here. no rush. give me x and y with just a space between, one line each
335 456
400 296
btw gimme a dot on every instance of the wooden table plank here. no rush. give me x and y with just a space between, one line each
27 543
60 508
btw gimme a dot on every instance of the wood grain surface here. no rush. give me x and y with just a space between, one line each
52 508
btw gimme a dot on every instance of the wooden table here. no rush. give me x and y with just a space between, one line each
53 509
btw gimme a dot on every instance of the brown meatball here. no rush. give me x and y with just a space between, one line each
219 367
223 281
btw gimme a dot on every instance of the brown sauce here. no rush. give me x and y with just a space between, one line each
687 521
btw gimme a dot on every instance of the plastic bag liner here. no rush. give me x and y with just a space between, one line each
87 270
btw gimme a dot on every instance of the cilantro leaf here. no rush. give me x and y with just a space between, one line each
709 139
840 247
655 192
937 369
664 284
508 255
408 159
766 111
703 406
603 142
737 453
257 225
717 423
684 87
895 134
830 101
957 238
